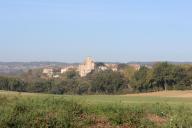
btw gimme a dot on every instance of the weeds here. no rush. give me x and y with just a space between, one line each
58 112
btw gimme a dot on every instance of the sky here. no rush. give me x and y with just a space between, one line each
107 30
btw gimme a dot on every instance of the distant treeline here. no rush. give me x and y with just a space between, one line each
163 76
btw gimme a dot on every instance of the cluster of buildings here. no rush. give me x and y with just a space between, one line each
84 69
52 72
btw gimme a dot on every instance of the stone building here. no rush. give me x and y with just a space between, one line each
113 67
86 67
102 68
64 70
135 66
48 71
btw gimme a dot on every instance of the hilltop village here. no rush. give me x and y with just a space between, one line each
92 77
84 69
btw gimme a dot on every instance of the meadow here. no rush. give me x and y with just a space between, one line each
30 110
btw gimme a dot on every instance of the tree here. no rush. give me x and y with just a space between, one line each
83 86
107 82
184 77
163 75
12 84
128 72
71 74
140 78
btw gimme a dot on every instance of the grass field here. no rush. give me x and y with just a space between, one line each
171 109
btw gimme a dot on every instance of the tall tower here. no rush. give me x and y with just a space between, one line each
86 67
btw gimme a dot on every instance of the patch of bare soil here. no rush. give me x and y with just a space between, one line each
98 122
157 119
102 122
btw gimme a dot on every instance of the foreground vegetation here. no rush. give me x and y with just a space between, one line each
24 110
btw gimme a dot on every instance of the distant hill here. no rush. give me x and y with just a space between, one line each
152 63
19 67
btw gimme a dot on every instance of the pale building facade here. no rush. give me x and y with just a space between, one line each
86 67
135 66
64 70
102 68
48 71
113 67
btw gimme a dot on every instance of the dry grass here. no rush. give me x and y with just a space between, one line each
2 92
183 94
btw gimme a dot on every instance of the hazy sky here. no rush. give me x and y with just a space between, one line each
108 30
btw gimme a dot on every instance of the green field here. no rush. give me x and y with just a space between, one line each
25 110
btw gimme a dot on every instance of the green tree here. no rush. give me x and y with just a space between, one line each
71 74
83 86
140 80
164 75
107 82
128 72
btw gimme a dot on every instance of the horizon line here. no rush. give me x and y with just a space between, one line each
96 61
